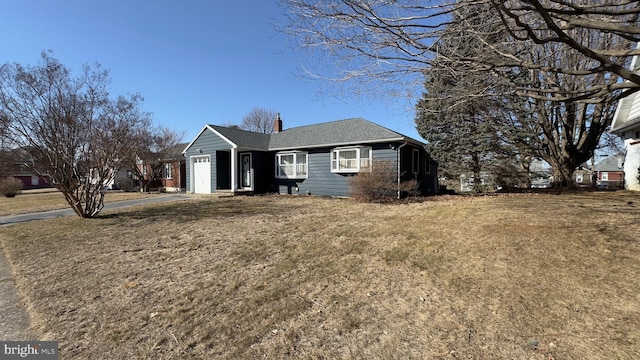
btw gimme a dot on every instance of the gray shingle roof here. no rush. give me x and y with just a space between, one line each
333 133
244 138
341 132
610 164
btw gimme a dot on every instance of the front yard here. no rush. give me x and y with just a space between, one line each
509 276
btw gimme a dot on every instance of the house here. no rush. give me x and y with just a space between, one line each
174 172
540 176
168 173
626 123
165 170
584 176
609 173
315 159
17 163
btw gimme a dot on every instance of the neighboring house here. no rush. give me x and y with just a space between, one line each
173 175
626 123
315 159
609 172
16 167
584 176
468 182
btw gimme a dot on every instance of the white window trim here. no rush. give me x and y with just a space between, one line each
295 165
604 176
358 150
167 166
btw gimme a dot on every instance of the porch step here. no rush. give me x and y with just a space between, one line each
233 193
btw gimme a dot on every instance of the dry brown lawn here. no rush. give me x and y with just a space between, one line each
497 277
52 200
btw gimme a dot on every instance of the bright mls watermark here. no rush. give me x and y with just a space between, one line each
32 350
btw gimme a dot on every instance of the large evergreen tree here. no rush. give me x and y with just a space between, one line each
466 114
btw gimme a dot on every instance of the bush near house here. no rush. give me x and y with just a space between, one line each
10 187
380 184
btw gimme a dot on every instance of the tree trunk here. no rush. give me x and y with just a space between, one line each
563 175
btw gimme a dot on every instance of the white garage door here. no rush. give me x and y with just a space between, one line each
202 175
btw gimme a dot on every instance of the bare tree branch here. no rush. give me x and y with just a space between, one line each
70 126
259 120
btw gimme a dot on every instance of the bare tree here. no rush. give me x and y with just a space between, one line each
259 120
156 148
567 22
393 42
563 58
71 127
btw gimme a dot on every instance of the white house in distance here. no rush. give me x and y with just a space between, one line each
626 123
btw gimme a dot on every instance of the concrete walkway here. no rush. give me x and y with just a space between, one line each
14 320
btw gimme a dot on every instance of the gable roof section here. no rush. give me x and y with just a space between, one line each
243 138
611 163
235 137
334 133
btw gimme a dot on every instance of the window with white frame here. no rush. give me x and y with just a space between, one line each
291 165
353 159
167 171
604 176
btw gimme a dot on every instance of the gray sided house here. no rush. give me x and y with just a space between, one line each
315 159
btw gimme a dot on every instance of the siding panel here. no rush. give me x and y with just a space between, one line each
321 181
634 112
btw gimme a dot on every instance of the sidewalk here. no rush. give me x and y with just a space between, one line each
14 320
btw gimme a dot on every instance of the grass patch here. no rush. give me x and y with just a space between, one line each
513 276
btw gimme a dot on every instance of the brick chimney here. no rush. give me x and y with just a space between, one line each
277 124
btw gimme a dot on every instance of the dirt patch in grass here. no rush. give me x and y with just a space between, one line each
509 276
53 200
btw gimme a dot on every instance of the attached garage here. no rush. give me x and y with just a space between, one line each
201 166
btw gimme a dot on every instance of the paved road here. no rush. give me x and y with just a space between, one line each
14 219
14 320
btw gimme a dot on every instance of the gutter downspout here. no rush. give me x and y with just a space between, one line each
399 174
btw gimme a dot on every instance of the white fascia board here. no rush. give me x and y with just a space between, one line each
233 145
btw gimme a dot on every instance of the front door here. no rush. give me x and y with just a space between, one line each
245 170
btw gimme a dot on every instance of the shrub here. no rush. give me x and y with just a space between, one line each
381 184
9 187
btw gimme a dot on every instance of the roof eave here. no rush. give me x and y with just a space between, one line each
377 141
627 126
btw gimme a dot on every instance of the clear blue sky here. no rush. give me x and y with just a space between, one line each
195 62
